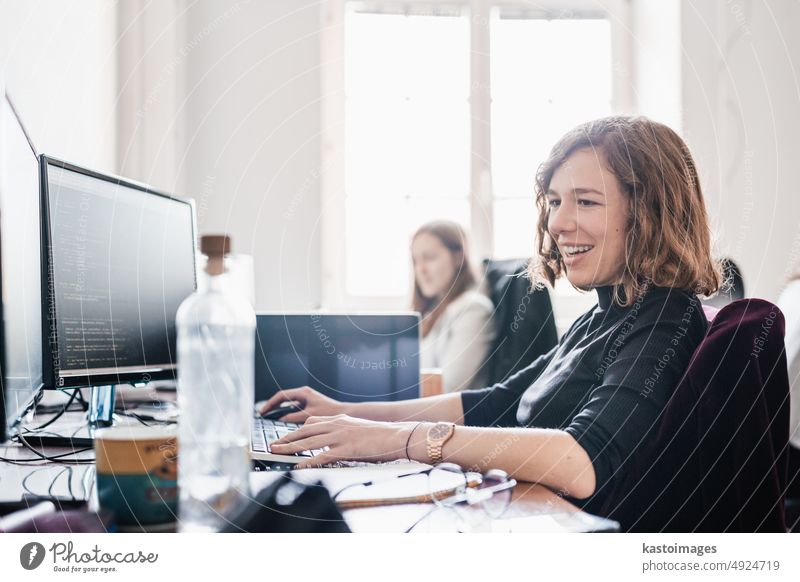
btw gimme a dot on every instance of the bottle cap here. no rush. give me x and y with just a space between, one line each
217 245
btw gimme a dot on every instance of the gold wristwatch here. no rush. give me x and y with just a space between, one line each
438 435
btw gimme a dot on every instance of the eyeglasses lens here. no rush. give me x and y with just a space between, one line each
445 481
496 504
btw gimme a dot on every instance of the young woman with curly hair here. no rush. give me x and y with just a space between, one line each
621 213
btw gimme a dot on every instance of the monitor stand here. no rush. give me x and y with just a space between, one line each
80 435
101 406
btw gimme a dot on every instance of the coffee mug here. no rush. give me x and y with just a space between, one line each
431 382
137 473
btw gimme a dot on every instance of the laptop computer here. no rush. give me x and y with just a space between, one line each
358 357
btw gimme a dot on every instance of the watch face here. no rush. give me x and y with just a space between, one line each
439 431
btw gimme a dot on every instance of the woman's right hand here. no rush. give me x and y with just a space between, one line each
312 402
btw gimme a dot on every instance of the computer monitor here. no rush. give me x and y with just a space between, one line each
20 258
349 357
4 423
119 260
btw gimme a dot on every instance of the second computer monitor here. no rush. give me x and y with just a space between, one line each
21 374
353 358
119 260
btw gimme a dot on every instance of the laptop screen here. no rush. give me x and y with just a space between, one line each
352 358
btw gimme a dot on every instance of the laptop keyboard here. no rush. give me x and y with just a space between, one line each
266 432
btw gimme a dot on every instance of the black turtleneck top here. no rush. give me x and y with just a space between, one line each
607 380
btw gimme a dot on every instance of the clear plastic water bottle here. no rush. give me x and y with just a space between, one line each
216 350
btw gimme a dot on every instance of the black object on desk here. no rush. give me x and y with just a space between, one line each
288 506
280 411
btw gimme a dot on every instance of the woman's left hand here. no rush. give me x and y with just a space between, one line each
347 439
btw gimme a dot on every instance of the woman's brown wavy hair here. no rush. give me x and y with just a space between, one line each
668 240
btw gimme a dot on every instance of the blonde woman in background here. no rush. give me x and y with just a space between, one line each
457 327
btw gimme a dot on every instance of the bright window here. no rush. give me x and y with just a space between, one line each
415 79
547 76
406 139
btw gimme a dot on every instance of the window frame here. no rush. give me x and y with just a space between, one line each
481 199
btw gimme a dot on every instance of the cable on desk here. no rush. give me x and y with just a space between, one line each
53 408
24 462
87 483
54 458
145 418
81 399
60 413
24 484
40 457
140 417
68 470
55 479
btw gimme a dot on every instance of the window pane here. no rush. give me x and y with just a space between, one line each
376 251
392 55
547 77
514 228
378 238
422 210
406 139
394 148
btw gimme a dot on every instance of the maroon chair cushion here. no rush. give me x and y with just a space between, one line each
717 459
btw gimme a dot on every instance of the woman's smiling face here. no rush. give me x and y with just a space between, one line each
588 219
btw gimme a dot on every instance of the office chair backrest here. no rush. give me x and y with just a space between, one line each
523 317
733 285
717 460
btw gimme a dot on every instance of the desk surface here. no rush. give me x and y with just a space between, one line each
529 500
533 507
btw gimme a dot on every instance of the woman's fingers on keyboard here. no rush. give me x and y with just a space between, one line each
305 444
327 419
318 461
305 431
298 417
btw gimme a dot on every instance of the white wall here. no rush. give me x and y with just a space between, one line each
59 63
741 97
656 43
724 75
224 106
222 103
